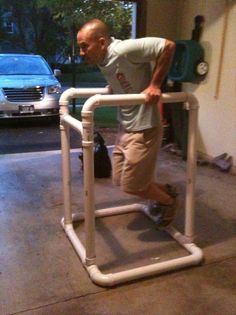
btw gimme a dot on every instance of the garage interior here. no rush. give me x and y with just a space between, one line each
40 272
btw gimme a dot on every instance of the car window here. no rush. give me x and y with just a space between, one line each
13 65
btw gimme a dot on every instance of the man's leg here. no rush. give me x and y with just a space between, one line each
117 165
140 153
156 193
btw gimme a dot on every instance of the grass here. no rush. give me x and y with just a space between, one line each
86 77
104 117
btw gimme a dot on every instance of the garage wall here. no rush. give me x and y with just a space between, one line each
163 18
217 93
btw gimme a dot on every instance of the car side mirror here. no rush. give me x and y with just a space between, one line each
57 72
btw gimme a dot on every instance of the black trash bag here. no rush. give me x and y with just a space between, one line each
102 162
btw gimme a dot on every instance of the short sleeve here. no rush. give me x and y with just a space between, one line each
142 49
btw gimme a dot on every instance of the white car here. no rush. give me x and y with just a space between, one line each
28 87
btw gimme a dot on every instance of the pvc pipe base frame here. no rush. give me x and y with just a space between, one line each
194 257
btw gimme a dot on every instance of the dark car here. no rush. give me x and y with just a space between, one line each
28 87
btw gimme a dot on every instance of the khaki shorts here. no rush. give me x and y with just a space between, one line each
134 159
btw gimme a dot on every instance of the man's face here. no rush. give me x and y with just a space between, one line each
92 49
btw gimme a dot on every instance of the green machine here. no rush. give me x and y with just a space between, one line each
188 63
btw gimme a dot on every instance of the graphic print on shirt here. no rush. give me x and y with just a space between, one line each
124 83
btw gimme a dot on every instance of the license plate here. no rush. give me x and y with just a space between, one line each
26 109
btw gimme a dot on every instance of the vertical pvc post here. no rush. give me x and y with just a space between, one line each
87 122
191 171
66 166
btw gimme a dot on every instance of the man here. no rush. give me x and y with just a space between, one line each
127 69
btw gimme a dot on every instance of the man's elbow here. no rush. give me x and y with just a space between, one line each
170 47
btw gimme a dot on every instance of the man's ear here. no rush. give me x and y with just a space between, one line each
103 42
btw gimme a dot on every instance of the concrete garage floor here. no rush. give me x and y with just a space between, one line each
40 274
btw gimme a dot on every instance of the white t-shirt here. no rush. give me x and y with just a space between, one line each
127 69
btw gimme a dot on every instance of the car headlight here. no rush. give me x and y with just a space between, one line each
54 89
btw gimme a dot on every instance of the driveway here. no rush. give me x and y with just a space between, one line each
31 136
39 135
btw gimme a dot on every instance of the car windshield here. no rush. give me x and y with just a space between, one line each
28 65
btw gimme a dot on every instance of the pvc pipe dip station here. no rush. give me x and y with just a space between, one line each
87 252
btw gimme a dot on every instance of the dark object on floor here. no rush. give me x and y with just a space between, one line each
202 162
102 162
223 162
219 158
172 148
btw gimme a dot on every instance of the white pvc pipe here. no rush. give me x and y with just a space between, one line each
67 121
130 99
192 105
78 246
72 122
70 93
177 97
136 273
88 168
112 100
111 279
66 171
190 175
87 254
136 207
89 204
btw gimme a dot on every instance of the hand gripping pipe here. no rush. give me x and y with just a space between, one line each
87 253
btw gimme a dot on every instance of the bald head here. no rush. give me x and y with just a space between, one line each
93 39
96 28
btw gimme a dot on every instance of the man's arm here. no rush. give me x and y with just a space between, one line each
153 91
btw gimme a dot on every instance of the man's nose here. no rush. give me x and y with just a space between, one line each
81 52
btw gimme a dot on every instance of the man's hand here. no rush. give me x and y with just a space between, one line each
110 91
153 91
153 95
